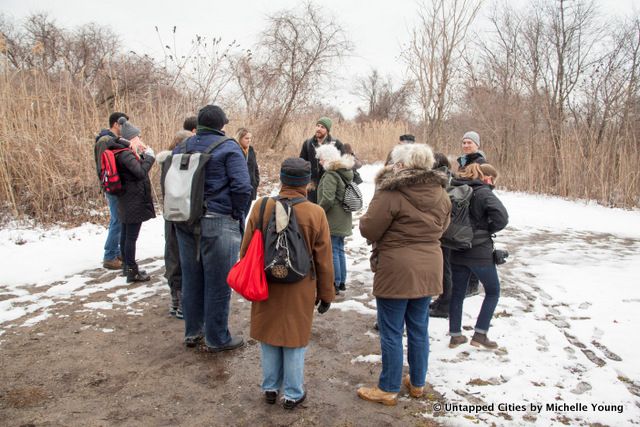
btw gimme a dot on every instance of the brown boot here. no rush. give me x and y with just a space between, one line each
374 394
481 340
457 340
112 264
413 391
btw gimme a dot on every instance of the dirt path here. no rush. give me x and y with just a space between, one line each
125 365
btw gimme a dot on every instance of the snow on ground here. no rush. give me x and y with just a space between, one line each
565 321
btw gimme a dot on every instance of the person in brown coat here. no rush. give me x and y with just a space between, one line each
282 323
405 220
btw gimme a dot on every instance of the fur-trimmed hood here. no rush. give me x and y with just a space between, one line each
346 161
388 179
423 188
162 156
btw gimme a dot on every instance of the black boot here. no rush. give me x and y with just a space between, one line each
135 275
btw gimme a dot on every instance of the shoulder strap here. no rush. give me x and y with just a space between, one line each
263 205
216 144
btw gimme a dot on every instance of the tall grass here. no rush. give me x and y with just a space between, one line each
48 125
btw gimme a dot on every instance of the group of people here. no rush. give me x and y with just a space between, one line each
404 222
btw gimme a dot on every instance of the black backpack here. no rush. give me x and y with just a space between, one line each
286 258
459 235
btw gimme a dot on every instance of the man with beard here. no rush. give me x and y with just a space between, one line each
308 153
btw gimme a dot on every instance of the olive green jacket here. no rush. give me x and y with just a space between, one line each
331 193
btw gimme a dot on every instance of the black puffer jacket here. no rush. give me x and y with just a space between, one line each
254 172
135 203
477 157
488 216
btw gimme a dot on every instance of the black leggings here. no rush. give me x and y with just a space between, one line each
128 238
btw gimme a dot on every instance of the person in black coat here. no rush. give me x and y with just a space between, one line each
244 136
488 216
135 203
308 152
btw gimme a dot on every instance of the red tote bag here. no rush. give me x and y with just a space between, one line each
247 276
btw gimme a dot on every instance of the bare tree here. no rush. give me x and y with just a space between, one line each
299 48
433 56
383 101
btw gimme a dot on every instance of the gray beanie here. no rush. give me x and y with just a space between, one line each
473 137
127 130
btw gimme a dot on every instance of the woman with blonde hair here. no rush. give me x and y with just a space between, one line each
405 220
488 216
244 137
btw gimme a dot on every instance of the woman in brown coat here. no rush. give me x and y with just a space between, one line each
282 323
405 220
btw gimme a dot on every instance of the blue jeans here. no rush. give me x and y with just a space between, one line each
112 245
393 314
460 274
283 366
339 260
128 238
205 293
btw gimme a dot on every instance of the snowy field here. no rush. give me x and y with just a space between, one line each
565 321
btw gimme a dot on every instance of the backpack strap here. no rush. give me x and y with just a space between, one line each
263 205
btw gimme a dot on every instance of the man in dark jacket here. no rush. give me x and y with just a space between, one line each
111 258
308 153
471 150
206 260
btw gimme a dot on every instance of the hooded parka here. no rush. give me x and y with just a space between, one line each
331 194
405 220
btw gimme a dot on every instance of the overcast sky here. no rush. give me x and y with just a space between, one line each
376 28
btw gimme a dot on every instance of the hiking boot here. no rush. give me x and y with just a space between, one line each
374 394
457 340
236 342
179 314
192 341
270 397
440 311
112 264
135 275
473 289
481 340
291 404
413 391
342 287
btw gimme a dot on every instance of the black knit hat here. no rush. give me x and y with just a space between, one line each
212 116
295 172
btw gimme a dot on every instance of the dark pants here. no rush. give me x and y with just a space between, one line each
128 238
173 272
460 275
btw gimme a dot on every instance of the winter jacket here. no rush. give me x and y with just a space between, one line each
102 139
227 188
308 152
488 216
254 172
467 159
331 194
284 319
405 220
135 202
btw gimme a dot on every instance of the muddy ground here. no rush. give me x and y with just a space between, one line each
127 366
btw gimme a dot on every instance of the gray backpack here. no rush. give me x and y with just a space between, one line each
183 182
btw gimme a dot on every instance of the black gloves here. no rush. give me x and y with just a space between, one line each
323 307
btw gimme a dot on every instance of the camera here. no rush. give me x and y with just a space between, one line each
500 256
